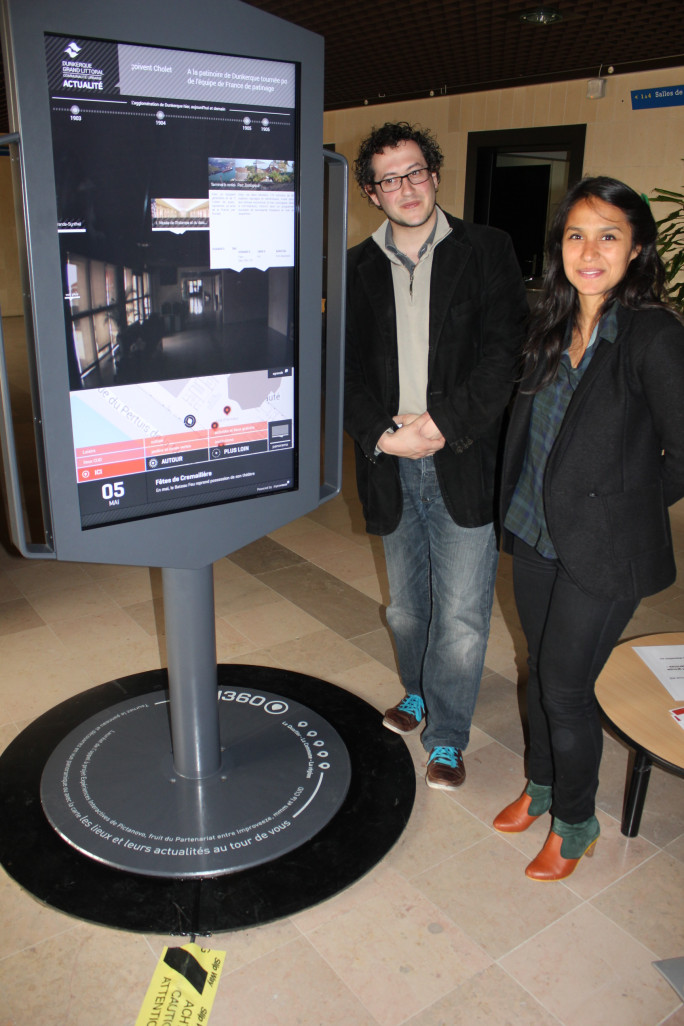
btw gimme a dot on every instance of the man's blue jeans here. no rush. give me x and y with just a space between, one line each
441 579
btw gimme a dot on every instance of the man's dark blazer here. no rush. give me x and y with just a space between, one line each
478 310
618 460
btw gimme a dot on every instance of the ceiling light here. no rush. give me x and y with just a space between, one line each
541 16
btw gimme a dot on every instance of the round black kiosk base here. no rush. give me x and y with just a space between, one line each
361 818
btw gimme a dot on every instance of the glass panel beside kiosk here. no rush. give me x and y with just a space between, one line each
177 199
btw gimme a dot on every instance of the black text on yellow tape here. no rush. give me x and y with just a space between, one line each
183 987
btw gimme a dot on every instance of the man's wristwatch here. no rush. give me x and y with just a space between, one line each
388 431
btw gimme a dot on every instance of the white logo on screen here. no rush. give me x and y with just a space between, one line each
73 50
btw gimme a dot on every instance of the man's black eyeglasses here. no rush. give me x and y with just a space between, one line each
417 177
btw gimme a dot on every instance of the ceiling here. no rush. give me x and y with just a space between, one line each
380 51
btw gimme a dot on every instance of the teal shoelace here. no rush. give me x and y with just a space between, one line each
446 755
414 705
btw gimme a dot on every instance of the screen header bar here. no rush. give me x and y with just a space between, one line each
91 68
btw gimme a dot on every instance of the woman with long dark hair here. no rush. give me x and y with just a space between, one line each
594 456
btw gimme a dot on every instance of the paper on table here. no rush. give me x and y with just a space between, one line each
667 662
678 716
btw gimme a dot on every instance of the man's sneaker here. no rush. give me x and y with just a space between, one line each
445 768
406 716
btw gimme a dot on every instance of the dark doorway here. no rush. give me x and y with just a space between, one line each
519 204
515 179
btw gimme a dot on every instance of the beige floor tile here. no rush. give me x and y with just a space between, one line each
674 605
367 684
241 946
255 657
291 986
87 633
70 979
225 570
649 904
478 739
372 681
8 590
589 972
372 586
26 921
275 622
497 711
676 848
414 745
8 732
378 645
347 562
314 543
114 644
485 891
495 777
647 620
371 954
136 584
18 615
35 577
38 672
72 602
9 557
676 1019
663 816
488 999
615 856
531 841
103 572
148 614
236 594
674 591
506 646
319 654
296 528
437 829
369 888
230 643
397 951
264 555
331 600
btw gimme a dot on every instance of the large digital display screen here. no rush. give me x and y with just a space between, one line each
177 196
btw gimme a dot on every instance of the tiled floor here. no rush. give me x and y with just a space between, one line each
446 930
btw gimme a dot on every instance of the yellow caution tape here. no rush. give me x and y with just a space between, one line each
183 987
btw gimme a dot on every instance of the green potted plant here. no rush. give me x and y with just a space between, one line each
671 244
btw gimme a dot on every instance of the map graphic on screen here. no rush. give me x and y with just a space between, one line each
176 179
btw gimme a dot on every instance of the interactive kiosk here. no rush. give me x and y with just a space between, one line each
170 181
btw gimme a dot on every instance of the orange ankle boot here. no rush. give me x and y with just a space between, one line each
564 847
532 803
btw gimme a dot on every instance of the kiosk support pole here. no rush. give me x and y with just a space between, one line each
191 651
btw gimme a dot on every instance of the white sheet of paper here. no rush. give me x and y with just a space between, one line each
667 662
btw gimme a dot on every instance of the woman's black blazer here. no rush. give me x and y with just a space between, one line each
618 460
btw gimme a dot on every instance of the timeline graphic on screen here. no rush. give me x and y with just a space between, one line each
176 178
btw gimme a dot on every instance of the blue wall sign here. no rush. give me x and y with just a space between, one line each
665 96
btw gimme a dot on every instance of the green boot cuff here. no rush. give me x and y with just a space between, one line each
577 837
541 798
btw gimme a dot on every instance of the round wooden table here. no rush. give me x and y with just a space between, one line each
637 706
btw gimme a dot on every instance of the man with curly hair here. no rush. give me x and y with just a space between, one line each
435 316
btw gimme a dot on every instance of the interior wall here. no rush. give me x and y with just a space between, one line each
10 281
644 148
